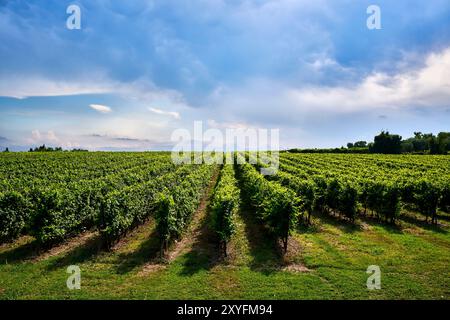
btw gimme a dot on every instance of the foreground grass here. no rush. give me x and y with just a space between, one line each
414 261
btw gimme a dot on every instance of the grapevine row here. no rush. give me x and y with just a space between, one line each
224 205
275 206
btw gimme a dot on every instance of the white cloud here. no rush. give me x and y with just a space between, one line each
51 136
23 87
266 102
38 137
140 90
428 86
173 114
98 141
100 108
228 125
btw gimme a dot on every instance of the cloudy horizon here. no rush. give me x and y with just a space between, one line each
135 72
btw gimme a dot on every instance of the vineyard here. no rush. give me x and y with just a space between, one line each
140 226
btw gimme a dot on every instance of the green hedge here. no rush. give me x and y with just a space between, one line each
176 205
224 205
276 206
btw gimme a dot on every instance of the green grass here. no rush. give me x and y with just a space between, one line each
414 259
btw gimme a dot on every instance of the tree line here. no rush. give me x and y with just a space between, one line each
421 143
387 143
43 148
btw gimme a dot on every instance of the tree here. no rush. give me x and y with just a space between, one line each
420 144
443 141
434 146
6 150
407 146
43 148
350 145
360 144
387 143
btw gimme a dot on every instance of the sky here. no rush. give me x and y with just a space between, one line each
136 71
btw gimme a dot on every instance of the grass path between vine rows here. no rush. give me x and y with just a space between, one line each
197 238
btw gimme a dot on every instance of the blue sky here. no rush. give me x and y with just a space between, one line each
138 70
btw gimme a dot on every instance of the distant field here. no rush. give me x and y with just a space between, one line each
140 227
